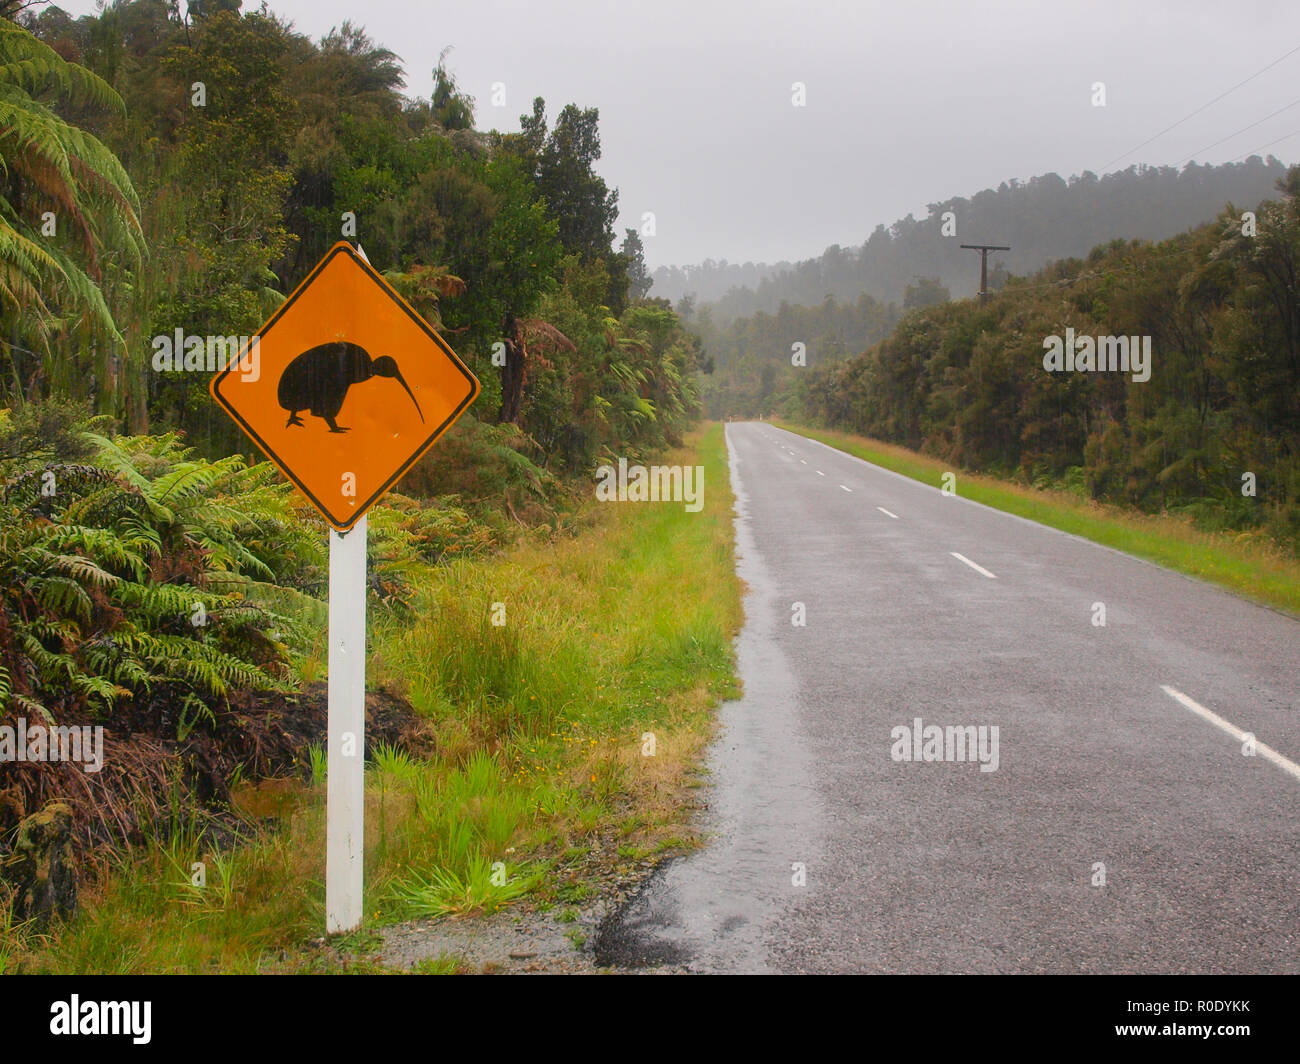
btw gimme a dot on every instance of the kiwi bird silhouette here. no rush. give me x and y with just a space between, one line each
318 380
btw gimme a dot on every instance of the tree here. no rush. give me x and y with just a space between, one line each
638 276
68 210
451 108
224 198
564 161
11 9
927 292
200 9
1263 342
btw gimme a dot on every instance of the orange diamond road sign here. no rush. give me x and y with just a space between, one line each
345 387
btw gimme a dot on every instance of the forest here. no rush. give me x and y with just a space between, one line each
1043 219
1214 433
167 172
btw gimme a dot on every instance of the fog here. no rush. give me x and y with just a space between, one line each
905 104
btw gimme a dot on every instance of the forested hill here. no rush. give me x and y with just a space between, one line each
1044 219
1209 425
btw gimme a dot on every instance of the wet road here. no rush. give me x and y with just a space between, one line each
1123 829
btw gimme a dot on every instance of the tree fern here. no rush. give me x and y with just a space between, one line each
63 169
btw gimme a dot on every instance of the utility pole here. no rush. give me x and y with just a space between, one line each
984 250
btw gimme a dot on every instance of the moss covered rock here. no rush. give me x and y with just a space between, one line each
40 870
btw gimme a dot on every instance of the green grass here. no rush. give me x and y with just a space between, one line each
441 892
622 627
1246 563
443 964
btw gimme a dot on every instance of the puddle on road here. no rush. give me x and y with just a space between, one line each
712 910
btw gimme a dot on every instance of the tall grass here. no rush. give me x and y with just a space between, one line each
622 627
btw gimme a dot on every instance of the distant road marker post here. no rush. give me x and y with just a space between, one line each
339 347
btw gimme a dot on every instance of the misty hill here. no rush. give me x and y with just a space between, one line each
1216 396
1044 219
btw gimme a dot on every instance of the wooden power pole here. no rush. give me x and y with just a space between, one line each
984 250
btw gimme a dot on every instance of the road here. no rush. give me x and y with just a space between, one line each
1124 828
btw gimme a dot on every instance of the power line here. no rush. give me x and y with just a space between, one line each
1203 107
1087 275
1230 136
1263 146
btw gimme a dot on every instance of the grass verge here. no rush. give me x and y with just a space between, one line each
1247 563
576 722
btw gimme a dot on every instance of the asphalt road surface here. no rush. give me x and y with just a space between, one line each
1125 828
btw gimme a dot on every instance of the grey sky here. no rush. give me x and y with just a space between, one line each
907 103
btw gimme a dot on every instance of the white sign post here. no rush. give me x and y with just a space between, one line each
346 731
341 327
345 801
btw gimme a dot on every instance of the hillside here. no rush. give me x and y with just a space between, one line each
1208 424
1044 219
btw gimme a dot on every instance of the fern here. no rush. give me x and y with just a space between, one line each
63 167
98 584
65 595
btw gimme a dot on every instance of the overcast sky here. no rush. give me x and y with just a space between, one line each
907 103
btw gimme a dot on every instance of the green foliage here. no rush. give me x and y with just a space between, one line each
638 276
563 163
451 108
256 148
69 215
441 892
250 145
222 195
966 382
753 353
144 571
403 532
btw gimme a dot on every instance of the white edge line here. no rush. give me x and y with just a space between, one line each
977 568
887 513
1282 762
1221 589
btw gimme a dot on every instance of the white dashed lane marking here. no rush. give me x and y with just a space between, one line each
977 568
